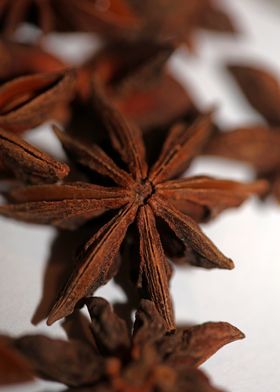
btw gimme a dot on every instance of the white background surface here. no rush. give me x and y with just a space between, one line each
248 296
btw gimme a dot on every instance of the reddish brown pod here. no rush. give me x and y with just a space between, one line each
137 195
105 356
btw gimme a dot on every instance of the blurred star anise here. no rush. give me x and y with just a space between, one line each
108 357
142 195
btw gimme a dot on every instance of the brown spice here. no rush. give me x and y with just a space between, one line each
115 360
142 195
257 146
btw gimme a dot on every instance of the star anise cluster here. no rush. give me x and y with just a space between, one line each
130 132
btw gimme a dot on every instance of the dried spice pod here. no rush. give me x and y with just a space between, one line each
28 101
18 59
68 15
261 89
140 195
135 78
257 146
148 360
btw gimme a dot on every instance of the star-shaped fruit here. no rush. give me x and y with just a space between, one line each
105 356
146 196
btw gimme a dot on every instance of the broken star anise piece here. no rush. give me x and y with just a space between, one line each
116 360
142 195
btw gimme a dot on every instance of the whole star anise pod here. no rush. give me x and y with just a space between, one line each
26 102
142 195
68 15
135 79
108 357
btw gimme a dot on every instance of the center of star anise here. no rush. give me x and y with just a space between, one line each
144 191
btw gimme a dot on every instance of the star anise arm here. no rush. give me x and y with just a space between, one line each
154 270
193 346
28 101
110 331
66 205
188 231
14 368
94 158
70 362
261 89
126 138
210 194
181 145
27 162
256 145
96 265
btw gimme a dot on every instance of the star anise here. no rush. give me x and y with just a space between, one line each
26 102
108 357
142 195
135 78
68 15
